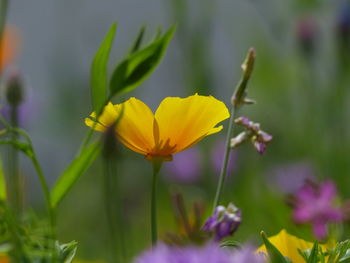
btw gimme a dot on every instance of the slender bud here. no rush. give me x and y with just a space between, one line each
239 96
14 90
248 64
239 139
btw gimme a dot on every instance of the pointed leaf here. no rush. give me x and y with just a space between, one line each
133 70
313 258
2 183
99 71
274 254
77 167
138 40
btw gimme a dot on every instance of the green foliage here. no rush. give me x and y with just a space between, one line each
77 167
99 70
66 252
230 243
339 254
136 67
2 183
138 41
274 254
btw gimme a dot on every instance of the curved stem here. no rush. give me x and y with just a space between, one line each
226 158
156 163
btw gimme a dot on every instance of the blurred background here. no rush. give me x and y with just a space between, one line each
300 82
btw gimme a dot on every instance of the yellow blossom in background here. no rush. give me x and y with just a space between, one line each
4 258
8 47
288 245
177 124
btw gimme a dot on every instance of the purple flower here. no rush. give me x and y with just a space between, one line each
217 156
247 255
224 222
210 253
315 204
291 177
186 166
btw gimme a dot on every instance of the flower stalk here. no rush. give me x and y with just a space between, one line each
156 164
112 190
238 99
14 96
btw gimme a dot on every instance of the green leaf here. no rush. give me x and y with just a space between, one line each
77 167
133 70
21 146
313 258
230 243
67 251
138 40
274 254
2 183
99 70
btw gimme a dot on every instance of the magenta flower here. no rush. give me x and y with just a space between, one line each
315 204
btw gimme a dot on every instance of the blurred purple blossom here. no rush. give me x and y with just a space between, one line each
25 112
224 222
343 21
290 177
307 31
315 204
186 166
217 156
210 253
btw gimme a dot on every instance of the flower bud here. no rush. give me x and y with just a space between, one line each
239 139
240 94
14 90
252 131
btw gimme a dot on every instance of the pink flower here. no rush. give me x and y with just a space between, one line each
314 204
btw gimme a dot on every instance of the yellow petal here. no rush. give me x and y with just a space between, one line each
107 118
135 128
185 121
288 245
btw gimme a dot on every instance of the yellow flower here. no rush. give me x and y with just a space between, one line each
288 245
177 124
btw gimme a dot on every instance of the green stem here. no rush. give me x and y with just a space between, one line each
114 209
226 158
156 163
50 209
15 178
